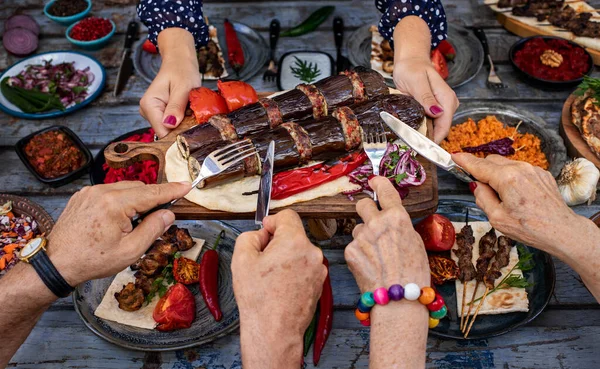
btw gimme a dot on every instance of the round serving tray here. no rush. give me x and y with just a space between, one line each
543 278
466 65
204 329
552 144
575 144
256 55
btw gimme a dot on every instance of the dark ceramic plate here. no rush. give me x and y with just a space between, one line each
466 65
204 329
65 178
552 144
97 173
545 83
256 55
542 277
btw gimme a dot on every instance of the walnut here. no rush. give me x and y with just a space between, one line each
551 58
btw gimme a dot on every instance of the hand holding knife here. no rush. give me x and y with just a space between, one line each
126 68
266 184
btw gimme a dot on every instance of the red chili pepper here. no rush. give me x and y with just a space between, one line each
325 317
234 48
205 103
237 94
291 182
176 309
209 279
91 28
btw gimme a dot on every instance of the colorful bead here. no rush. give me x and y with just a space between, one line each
363 309
412 292
396 292
437 303
433 322
440 314
427 295
360 315
366 322
381 296
367 299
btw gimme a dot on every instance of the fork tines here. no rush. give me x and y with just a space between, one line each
373 134
234 152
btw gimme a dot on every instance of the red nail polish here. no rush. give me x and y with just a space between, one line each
472 186
435 110
170 120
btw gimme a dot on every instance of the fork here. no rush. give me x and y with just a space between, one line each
270 74
215 163
493 81
374 143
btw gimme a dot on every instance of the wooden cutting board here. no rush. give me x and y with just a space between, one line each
421 201
575 144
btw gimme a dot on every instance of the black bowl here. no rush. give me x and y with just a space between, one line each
65 178
97 173
546 83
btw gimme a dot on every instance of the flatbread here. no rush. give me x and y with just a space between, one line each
503 301
109 307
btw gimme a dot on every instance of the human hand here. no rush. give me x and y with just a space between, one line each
278 277
386 249
93 237
165 101
417 77
519 199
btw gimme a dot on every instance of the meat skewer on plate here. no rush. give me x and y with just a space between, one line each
464 252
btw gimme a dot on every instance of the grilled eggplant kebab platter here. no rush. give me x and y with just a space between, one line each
311 124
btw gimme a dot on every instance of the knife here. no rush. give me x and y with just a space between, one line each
266 183
425 147
126 68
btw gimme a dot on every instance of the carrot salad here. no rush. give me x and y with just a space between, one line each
15 232
468 134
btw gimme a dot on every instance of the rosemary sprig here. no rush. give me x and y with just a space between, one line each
589 83
306 72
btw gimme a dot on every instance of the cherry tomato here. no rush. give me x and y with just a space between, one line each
149 47
176 309
185 270
205 103
437 233
439 63
237 94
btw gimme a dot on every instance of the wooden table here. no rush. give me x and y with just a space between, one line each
566 335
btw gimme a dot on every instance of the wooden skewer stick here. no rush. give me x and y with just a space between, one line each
487 289
470 307
464 294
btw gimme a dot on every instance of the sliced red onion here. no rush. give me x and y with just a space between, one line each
22 21
20 41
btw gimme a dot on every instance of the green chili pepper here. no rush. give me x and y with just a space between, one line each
309 335
29 101
311 23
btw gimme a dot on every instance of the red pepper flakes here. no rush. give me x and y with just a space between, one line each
91 28
145 171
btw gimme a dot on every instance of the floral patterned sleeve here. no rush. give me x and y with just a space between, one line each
160 14
431 11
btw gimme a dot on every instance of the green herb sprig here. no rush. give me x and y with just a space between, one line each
306 72
162 283
592 84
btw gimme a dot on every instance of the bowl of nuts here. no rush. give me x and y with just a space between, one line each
550 62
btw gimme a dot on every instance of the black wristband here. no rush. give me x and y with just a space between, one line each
49 275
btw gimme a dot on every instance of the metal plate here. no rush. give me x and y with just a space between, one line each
256 54
204 329
552 144
466 65
543 278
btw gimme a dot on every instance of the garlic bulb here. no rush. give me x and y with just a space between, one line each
577 182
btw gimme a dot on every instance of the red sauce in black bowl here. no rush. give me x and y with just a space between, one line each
576 61
53 154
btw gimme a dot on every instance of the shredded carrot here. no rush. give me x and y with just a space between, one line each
10 215
9 234
527 146
10 248
5 259
28 235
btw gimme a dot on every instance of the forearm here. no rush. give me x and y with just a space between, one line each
24 298
177 45
412 39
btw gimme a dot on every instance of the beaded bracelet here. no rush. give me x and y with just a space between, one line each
426 296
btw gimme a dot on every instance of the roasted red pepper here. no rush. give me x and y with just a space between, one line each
237 94
291 182
209 279
235 53
325 317
185 270
149 47
176 309
447 50
205 103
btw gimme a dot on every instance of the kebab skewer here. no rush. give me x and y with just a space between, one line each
464 252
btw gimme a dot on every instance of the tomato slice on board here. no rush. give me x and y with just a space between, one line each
439 63
176 309
437 233
205 103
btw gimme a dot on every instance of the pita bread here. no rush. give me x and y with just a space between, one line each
109 307
503 301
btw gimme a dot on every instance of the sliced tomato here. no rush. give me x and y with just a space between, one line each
447 50
176 309
437 233
237 94
205 103
185 270
149 47
439 63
